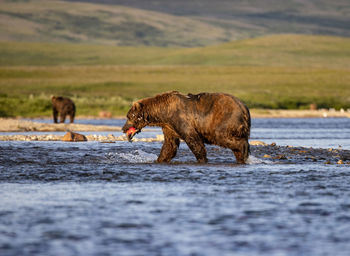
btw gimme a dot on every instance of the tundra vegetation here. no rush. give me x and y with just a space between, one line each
277 72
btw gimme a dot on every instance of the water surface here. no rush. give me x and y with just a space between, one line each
92 198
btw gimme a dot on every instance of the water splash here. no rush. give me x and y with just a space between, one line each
136 156
255 160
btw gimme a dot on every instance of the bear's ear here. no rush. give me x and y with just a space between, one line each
137 106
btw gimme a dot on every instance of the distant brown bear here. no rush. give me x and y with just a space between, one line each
212 118
64 107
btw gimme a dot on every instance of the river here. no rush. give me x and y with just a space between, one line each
92 198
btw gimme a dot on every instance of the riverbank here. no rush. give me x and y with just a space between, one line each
286 113
110 138
20 125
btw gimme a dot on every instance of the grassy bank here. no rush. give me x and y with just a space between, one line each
278 72
26 90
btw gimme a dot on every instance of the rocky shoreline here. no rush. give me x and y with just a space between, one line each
302 155
110 138
259 149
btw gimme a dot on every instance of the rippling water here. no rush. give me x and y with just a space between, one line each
96 198
313 132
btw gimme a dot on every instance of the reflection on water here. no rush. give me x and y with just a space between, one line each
95 198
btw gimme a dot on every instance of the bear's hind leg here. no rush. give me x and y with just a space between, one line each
241 151
239 147
197 147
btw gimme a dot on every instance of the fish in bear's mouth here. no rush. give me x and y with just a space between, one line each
131 132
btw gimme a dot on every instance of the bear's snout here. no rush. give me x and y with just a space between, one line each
127 126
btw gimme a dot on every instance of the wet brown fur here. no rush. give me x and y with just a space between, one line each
212 118
64 107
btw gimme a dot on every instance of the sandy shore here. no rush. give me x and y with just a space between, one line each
282 113
18 125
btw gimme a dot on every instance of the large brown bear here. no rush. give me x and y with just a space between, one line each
213 118
64 107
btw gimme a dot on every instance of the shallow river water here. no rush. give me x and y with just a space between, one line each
92 198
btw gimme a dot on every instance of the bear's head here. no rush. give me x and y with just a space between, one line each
55 99
136 120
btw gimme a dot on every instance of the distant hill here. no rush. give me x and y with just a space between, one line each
178 23
255 17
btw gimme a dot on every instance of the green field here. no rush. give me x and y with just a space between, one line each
280 72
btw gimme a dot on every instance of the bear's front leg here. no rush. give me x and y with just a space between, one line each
55 115
169 148
71 117
62 117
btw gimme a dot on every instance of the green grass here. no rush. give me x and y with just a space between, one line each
272 51
281 72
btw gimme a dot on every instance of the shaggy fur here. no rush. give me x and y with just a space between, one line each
63 107
212 118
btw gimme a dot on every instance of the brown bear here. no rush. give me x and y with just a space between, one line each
64 107
213 118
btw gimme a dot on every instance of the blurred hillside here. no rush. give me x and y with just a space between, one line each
167 23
